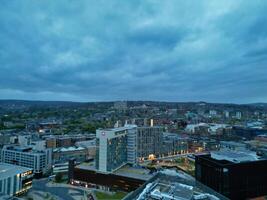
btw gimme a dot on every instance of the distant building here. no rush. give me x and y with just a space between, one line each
89 145
14 180
5 139
51 142
39 161
213 112
120 105
174 144
24 140
235 146
234 174
226 114
62 154
238 115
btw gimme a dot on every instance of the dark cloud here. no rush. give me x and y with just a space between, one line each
142 50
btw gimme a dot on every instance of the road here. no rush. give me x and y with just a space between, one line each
62 193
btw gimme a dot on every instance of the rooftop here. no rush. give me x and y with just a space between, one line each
7 170
234 156
171 184
133 172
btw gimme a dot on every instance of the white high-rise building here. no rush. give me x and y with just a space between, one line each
238 115
115 147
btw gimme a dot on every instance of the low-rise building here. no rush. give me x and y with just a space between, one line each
62 155
39 161
173 185
14 180
235 146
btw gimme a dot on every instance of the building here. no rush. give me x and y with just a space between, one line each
51 142
149 141
62 154
238 115
132 144
235 146
120 105
39 161
24 140
236 175
173 185
111 148
89 145
126 178
4 139
14 180
174 144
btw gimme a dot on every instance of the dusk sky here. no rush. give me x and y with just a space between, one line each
213 51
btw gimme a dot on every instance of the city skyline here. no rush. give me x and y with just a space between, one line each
173 51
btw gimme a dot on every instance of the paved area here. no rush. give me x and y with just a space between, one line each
60 191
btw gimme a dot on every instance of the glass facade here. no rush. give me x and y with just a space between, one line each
116 152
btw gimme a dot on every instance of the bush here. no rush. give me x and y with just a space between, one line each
58 177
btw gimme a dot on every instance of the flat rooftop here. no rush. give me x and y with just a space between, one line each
234 156
172 184
7 170
134 172
126 171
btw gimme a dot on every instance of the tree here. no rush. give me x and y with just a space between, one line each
58 177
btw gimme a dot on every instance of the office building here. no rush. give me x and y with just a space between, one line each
237 175
14 180
39 161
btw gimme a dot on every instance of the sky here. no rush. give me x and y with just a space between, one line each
182 50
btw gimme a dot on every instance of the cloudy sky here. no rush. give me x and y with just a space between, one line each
184 50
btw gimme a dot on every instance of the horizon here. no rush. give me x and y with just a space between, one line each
112 101
173 51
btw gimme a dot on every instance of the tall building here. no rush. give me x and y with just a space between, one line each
131 144
236 175
14 180
111 150
149 141
238 115
39 161
118 146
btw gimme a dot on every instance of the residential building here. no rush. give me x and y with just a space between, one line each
149 141
174 144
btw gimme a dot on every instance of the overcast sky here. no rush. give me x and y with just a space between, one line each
213 51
